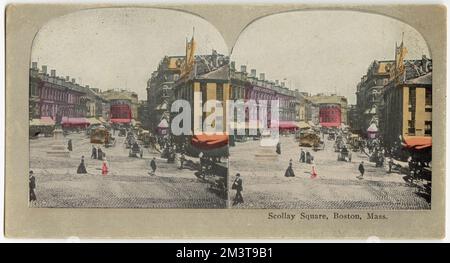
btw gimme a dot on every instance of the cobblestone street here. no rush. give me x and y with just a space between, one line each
335 187
127 185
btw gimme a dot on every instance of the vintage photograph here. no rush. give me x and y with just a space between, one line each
147 108
102 83
354 121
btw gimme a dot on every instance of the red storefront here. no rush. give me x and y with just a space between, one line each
330 115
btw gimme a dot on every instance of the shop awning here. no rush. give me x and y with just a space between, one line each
93 121
163 124
303 125
74 121
330 124
209 142
120 120
311 124
372 128
417 142
44 121
102 120
285 124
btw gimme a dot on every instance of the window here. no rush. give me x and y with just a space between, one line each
428 127
428 97
411 127
219 92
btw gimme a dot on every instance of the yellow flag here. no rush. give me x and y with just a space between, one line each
190 57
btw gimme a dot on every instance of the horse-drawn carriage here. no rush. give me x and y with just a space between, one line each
101 135
309 139
136 150
344 155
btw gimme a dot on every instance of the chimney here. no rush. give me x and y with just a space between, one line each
244 68
53 73
277 82
44 69
253 73
73 81
232 65
282 84
68 78
34 65
261 76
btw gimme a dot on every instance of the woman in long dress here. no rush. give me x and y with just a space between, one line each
81 168
104 168
313 170
289 171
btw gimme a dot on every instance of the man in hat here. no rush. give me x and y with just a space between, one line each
361 170
278 148
32 186
237 185
94 152
153 166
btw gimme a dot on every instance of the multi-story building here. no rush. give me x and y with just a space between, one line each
247 86
332 109
368 95
160 93
51 95
122 97
407 101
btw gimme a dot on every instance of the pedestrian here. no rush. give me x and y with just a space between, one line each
32 186
278 148
390 163
104 167
81 168
94 152
182 159
69 145
302 156
313 170
289 171
100 155
153 166
237 185
361 170
308 157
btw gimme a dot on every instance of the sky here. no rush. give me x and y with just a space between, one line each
313 51
116 48
323 51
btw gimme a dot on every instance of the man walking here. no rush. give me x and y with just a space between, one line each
237 185
390 163
361 170
69 145
32 186
302 156
278 148
94 152
153 166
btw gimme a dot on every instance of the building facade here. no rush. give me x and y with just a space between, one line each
332 109
160 91
51 95
369 95
408 103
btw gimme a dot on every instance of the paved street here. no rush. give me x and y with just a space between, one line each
336 186
127 184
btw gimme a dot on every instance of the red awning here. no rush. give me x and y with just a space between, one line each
74 121
209 142
285 124
330 124
417 142
120 120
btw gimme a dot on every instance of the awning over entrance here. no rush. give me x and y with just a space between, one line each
44 121
303 125
372 128
66 121
209 142
93 121
120 120
285 124
417 142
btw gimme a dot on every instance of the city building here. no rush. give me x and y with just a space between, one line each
407 98
368 96
123 105
160 91
332 109
51 95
